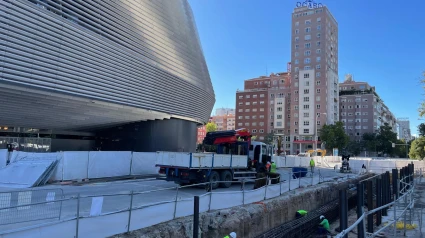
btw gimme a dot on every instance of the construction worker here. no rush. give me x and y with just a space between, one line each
300 213
231 235
312 164
273 168
268 165
323 226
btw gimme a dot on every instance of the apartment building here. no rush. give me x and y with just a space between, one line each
224 122
263 105
404 129
314 80
202 132
224 111
362 110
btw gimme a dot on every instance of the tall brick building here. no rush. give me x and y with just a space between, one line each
263 105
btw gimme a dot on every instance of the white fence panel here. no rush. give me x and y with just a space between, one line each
255 195
221 200
103 226
380 166
75 165
356 165
149 216
104 164
63 230
143 163
184 207
273 191
3 158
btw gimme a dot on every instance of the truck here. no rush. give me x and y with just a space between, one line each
236 158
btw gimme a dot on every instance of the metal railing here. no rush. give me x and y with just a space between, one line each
79 207
405 200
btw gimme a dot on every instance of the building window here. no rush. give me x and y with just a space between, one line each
240 110
297 23
247 117
307 61
306 76
240 124
306 99
318 123
240 103
261 95
296 91
307 45
307 83
307 53
279 109
307 67
306 131
261 117
254 109
289 116
357 106
306 123
254 124
261 102
247 103
248 96
296 84
365 106
318 51
254 103
296 131
254 131
318 59
240 117
318 106
297 39
297 61
319 27
318 66
295 114
254 117
240 97
261 131
297 54
318 74
318 90
297 31
307 30
306 106
246 123
318 82
262 109
296 99
279 116
318 98
318 43
307 22
254 96
307 37
318 35
306 91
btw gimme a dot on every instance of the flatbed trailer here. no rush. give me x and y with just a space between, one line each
187 168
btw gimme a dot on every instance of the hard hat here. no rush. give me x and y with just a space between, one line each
322 217
233 234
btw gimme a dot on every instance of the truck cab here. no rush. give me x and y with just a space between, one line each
259 154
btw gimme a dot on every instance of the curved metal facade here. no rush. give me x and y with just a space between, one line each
86 63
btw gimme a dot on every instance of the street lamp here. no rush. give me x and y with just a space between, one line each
316 138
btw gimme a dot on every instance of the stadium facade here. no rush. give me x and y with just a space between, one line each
113 75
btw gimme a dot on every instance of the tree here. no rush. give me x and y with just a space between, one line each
417 149
269 138
211 126
354 147
369 141
254 137
421 129
334 136
400 148
385 137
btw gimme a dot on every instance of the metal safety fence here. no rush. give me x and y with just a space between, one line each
138 209
383 194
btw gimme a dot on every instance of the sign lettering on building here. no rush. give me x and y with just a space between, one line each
310 4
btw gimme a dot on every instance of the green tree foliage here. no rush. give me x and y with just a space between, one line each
400 149
417 149
421 129
254 137
354 148
211 126
385 137
269 139
334 136
369 142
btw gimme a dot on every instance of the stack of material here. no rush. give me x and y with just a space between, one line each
211 136
27 173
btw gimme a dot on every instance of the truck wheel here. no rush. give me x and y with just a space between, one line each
214 177
226 175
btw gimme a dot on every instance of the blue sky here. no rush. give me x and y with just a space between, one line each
381 42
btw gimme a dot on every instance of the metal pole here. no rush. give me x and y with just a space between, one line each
196 217
209 205
343 211
265 190
299 179
405 213
369 206
280 186
395 216
360 202
78 216
378 201
394 182
243 192
290 178
129 211
175 205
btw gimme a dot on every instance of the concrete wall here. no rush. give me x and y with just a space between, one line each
249 220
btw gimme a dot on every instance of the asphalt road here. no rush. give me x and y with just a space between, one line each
161 191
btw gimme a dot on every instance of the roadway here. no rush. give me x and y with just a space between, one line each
165 191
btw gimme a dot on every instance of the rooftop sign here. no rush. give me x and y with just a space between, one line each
309 3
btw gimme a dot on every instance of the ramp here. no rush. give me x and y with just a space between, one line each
27 173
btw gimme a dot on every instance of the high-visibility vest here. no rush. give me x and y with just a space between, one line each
312 163
302 212
273 169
